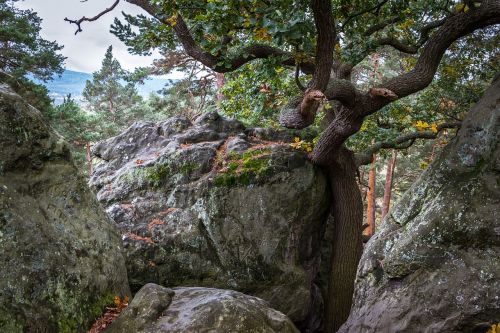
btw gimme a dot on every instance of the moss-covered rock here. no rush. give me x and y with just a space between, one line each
216 206
60 255
156 309
434 266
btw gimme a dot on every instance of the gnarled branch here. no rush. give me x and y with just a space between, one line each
402 142
381 25
453 28
342 91
325 30
412 48
247 54
91 19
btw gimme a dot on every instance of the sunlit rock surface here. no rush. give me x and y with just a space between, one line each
60 255
214 204
434 266
156 309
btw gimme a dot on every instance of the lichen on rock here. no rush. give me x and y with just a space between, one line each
217 205
61 256
157 309
434 265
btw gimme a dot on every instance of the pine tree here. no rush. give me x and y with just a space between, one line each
24 52
111 90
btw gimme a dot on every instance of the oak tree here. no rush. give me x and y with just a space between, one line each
323 42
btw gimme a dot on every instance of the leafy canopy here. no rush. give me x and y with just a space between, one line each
395 30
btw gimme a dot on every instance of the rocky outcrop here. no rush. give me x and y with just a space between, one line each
157 309
60 255
214 204
434 266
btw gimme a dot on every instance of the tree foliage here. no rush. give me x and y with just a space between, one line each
112 89
24 52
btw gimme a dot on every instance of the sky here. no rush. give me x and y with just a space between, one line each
85 51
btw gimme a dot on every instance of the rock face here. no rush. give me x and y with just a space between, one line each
157 309
60 255
434 266
214 204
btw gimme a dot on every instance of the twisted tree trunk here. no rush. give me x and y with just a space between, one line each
347 212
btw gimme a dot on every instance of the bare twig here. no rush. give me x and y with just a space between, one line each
91 19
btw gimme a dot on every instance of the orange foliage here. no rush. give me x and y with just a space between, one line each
109 316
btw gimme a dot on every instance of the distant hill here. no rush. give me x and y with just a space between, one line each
72 82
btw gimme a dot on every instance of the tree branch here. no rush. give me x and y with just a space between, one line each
364 11
453 28
379 26
402 142
407 47
325 44
342 91
247 54
95 18
398 45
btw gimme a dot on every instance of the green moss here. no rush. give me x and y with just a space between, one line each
98 307
245 169
8 323
188 167
72 322
158 174
68 325
232 166
137 175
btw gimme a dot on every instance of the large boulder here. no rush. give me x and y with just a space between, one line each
214 204
156 309
60 255
434 266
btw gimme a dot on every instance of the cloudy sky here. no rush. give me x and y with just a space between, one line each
84 51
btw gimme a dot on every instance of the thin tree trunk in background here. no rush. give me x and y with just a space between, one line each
370 216
220 80
388 184
89 158
361 184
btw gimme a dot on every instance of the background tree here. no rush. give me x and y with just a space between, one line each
327 40
23 52
112 89
195 92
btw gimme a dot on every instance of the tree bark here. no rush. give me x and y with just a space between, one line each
220 80
370 211
388 184
89 158
347 212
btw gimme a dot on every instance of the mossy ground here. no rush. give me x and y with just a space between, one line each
245 168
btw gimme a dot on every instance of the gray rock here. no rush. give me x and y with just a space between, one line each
434 266
237 144
217 123
156 309
237 213
60 255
